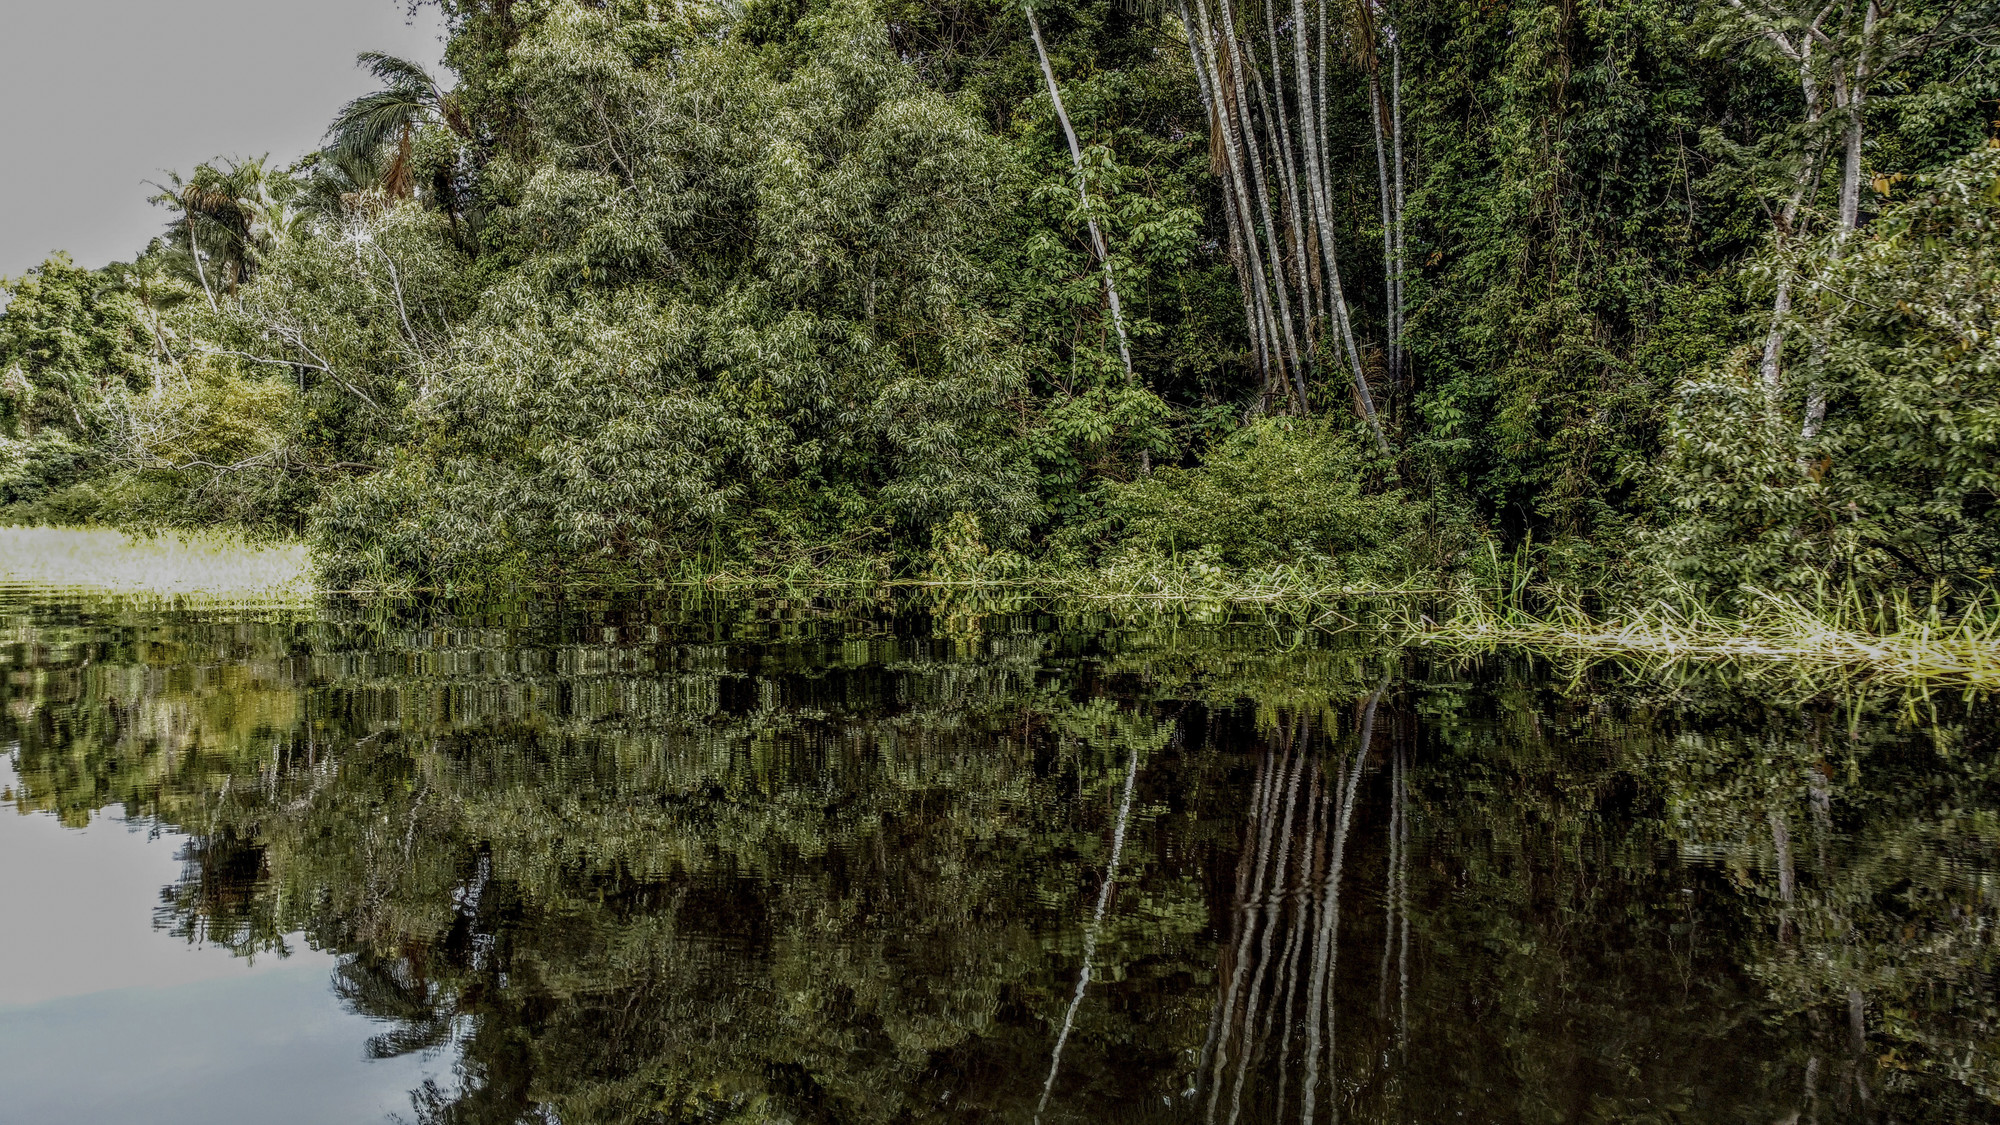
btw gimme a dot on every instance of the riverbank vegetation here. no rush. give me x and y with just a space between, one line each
1696 298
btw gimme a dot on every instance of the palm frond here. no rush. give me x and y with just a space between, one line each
370 121
399 72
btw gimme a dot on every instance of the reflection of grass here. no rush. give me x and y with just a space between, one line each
201 565
1895 636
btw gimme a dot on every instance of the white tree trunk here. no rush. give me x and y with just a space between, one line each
1397 357
1856 99
1097 243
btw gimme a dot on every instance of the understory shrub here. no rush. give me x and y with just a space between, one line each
1896 334
1279 490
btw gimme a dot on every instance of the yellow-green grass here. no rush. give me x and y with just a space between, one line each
171 564
1896 638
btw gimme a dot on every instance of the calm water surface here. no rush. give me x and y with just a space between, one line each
662 860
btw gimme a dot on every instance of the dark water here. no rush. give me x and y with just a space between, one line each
683 860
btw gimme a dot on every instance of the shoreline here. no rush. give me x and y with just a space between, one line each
1895 642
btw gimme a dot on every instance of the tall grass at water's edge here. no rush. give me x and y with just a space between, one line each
201 566
1895 635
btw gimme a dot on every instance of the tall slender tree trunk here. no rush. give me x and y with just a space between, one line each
1376 110
1295 218
1097 243
1398 356
1856 99
1218 164
1242 59
1298 293
1210 64
1316 137
1770 368
1323 291
200 271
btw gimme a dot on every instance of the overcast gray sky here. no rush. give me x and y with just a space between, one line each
98 96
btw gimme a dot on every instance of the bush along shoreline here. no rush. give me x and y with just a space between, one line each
1673 354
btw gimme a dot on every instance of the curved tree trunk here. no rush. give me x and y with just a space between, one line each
1097 243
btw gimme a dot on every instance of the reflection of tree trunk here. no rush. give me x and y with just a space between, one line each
1325 964
1781 847
1090 935
1403 902
1279 971
1273 898
1311 856
1822 806
1389 884
1857 1024
1781 843
1396 900
1812 1090
1266 799
1229 965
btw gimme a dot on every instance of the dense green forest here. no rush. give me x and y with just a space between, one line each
1691 295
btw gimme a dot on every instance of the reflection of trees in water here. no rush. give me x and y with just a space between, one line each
629 863
1870 866
1592 910
1276 1015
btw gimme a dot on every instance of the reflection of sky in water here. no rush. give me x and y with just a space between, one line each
104 1018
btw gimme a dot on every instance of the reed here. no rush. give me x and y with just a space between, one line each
1929 637
209 565
1900 635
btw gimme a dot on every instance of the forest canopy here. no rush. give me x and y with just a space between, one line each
1696 295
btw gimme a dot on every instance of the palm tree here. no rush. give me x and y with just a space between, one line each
332 185
224 217
408 99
